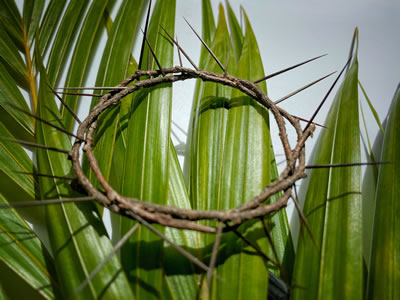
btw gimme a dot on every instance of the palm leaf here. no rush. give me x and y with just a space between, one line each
384 269
146 158
77 235
26 266
332 268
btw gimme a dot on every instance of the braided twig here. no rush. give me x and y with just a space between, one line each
174 216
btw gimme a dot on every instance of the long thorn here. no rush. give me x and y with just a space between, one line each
288 69
327 95
154 55
345 165
180 48
305 120
303 218
182 251
92 88
116 248
254 246
303 88
65 105
206 46
43 121
30 144
145 34
179 54
46 202
214 253
80 94
45 175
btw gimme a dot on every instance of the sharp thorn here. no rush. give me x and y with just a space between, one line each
288 69
80 94
303 218
65 105
116 248
214 254
345 165
182 251
327 94
303 88
43 121
45 202
271 242
154 55
253 245
45 175
206 46
92 88
30 144
305 120
145 34
180 48
179 54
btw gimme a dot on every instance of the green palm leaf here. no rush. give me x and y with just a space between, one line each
25 265
384 268
332 268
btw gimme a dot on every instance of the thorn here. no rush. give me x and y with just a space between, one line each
271 242
116 248
254 246
65 105
303 88
205 45
327 94
182 251
145 34
80 94
214 254
45 175
288 69
30 144
180 48
46 202
93 88
303 218
154 55
43 121
305 120
179 54
346 165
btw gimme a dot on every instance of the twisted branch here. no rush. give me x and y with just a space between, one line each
186 218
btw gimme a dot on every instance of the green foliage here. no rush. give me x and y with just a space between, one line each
230 159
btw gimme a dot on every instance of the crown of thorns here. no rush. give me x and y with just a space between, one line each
188 218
